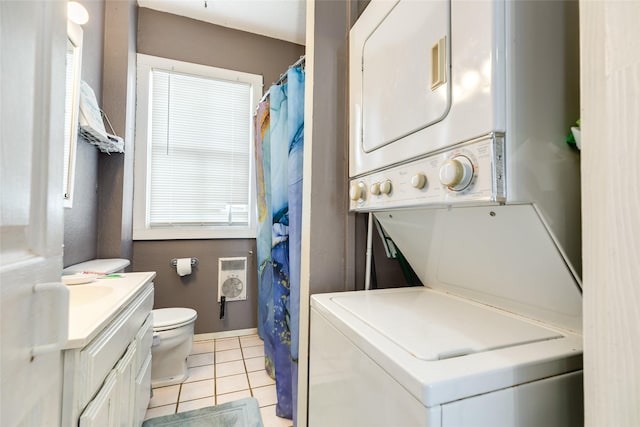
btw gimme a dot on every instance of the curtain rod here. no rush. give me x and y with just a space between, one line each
283 76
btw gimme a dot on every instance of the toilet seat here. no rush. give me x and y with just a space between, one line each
172 318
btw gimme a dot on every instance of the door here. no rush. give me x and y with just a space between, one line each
126 386
34 305
405 72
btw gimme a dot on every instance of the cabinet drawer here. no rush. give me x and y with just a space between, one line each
101 355
144 338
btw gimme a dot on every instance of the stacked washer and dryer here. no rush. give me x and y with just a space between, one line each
458 116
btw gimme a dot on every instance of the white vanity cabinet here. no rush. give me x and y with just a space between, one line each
107 365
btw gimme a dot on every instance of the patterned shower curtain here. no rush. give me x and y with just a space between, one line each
279 150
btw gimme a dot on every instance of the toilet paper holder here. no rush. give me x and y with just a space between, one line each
174 262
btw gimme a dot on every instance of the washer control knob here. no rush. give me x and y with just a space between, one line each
418 181
456 173
357 191
385 187
375 188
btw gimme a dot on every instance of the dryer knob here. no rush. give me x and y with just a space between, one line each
375 188
456 173
385 187
418 181
357 191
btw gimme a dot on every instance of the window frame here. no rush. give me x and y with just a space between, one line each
142 171
72 95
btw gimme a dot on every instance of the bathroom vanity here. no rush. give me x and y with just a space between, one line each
107 360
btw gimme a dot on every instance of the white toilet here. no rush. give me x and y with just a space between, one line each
172 341
172 328
106 266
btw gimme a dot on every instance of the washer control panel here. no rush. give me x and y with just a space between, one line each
471 172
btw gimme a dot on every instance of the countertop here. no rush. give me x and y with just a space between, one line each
93 305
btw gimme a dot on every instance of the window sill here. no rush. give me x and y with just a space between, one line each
193 234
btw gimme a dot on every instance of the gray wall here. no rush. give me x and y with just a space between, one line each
81 220
115 196
184 39
99 223
200 289
329 208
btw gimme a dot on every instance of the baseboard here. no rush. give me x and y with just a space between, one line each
224 334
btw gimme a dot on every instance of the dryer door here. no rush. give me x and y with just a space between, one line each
406 72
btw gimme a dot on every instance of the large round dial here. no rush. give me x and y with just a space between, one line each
456 173
357 191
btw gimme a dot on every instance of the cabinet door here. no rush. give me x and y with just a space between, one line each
126 387
102 411
144 338
143 390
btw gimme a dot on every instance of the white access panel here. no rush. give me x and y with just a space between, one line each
501 256
555 401
347 388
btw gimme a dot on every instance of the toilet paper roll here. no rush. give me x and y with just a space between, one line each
183 266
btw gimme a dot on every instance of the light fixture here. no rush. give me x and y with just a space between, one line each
77 13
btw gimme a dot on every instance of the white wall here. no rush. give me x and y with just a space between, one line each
610 98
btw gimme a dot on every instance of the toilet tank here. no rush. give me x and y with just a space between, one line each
106 266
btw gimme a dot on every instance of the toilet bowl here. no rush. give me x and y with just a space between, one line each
172 342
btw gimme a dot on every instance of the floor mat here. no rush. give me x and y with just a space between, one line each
239 413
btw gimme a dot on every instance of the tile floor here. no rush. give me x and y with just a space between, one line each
220 371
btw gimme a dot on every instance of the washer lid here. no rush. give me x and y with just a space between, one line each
169 318
431 326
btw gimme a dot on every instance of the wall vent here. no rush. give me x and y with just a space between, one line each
232 278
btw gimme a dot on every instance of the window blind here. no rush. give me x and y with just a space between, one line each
200 148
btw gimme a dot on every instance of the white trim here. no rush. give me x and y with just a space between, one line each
75 36
305 243
141 230
225 334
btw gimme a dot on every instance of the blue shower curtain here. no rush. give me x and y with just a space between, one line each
279 157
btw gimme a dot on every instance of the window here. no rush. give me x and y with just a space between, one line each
194 151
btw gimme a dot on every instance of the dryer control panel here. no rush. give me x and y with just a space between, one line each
469 173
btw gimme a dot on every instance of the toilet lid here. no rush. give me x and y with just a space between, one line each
169 318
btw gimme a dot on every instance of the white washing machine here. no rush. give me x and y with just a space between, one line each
458 114
493 340
419 357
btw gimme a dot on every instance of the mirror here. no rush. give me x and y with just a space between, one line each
71 107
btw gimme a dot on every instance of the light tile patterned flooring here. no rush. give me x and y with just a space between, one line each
220 371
